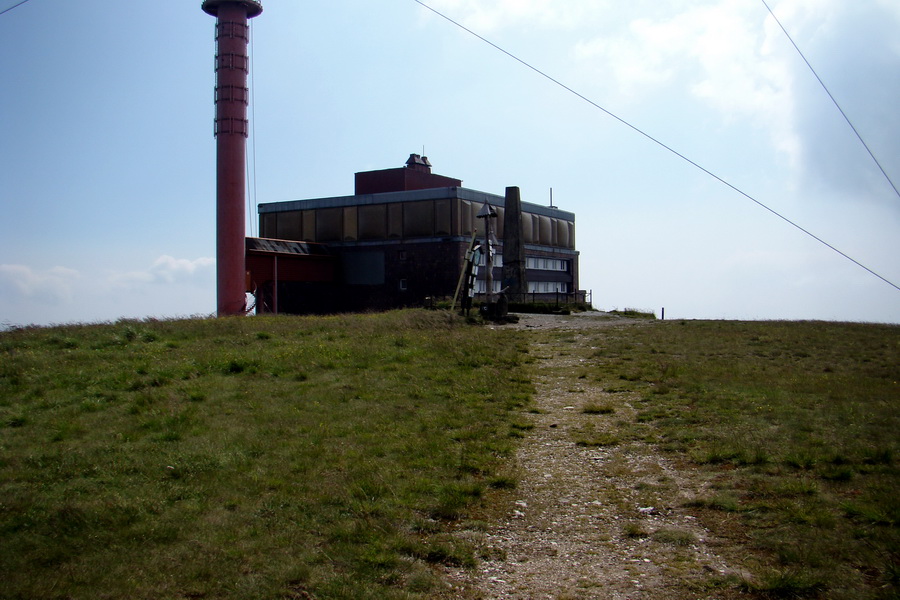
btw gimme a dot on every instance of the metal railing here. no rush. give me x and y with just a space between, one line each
555 298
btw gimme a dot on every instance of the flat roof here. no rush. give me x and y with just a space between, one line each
410 196
276 246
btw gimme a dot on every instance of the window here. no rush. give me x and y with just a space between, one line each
547 287
403 285
498 259
481 286
546 264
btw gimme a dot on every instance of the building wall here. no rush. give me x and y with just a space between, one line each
402 179
411 272
397 216
398 248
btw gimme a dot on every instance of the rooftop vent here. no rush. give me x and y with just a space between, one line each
419 163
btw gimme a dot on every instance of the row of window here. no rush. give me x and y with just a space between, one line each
546 264
481 259
539 287
548 287
481 286
531 262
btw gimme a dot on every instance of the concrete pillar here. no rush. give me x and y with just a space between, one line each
514 247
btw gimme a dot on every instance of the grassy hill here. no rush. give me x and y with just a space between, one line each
247 458
795 429
334 457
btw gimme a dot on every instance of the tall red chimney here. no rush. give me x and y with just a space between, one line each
232 97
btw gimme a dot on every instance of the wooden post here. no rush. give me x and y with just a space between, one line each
489 262
487 213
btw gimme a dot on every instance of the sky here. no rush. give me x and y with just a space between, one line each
107 154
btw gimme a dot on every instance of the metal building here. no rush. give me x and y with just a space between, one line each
402 239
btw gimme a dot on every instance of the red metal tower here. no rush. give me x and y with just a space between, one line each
232 97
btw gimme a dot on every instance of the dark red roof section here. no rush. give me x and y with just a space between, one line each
416 175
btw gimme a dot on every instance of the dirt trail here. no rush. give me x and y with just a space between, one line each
604 522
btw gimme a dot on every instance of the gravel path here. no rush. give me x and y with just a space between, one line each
605 522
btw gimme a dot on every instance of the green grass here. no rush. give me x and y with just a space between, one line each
250 458
794 424
343 457
675 537
634 313
592 408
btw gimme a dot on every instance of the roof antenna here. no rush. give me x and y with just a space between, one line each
551 198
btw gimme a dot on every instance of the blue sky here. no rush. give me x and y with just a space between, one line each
107 155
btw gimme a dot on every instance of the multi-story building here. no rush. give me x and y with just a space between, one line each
400 240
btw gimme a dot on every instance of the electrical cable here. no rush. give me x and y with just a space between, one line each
253 125
659 143
6 10
251 133
247 191
838 106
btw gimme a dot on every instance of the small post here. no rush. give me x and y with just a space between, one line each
275 286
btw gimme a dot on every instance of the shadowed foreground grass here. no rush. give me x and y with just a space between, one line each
796 427
248 458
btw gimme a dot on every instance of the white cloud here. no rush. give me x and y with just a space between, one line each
855 51
732 57
50 286
167 269
487 16
170 286
718 53
170 269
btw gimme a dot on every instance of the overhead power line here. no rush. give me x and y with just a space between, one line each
658 142
253 122
838 106
6 10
